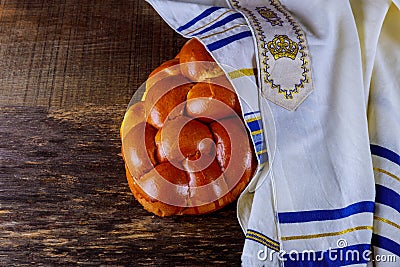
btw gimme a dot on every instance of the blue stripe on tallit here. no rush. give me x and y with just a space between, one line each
385 153
259 145
258 138
262 239
387 197
221 22
252 113
228 40
263 157
255 125
203 15
386 243
324 215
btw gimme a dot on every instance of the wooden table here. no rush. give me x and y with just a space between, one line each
68 70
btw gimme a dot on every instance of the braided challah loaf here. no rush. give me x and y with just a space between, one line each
185 146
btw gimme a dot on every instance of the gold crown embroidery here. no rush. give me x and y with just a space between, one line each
270 16
282 46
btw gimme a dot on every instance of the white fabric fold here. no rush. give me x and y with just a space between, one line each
384 129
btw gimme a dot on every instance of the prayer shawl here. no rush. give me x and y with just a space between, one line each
319 85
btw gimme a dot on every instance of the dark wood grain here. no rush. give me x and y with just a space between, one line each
68 53
67 72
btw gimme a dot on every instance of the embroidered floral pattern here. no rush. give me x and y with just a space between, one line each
272 49
269 16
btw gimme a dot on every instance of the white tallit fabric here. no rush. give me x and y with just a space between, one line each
341 64
331 192
322 168
384 129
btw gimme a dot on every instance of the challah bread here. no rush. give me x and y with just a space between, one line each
166 69
233 157
194 51
152 179
185 146
162 101
139 149
133 116
207 100
183 138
